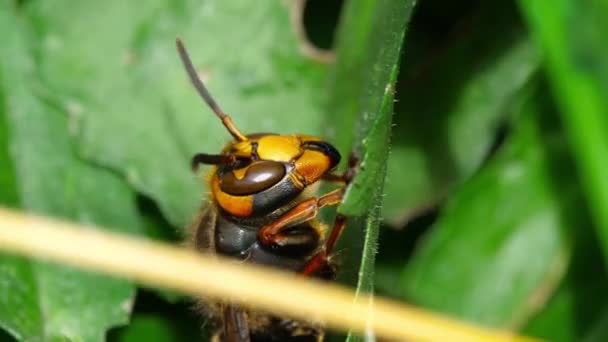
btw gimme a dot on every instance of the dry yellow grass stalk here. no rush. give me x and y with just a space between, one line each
162 265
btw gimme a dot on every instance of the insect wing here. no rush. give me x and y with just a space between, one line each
202 229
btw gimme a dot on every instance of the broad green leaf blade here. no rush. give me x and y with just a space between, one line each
16 287
139 113
452 99
8 187
572 34
503 241
42 302
361 100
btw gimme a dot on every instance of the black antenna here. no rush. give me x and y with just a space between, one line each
204 93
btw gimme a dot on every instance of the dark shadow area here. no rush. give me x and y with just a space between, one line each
397 246
587 275
446 45
179 320
155 225
400 244
320 20
586 281
5 337
502 132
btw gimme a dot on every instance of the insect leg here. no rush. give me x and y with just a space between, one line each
272 234
334 178
319 260
347 176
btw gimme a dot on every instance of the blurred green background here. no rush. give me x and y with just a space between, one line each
495 206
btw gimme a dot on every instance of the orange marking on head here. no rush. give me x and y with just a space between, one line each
240 173
241 206
312 165
279 147
239 148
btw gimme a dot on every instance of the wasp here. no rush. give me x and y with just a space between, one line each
261 210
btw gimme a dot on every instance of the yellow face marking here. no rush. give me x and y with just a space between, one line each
241 149
241 206
279 147
240 173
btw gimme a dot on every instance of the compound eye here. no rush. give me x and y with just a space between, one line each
258 176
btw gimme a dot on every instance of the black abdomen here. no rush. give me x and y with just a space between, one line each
241 241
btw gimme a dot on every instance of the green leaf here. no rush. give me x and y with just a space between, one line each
577 311
362 92
157 320
150 328
503 241
38 301
159 327
139 113
452 99
572 34
599 331
135 111
8 194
